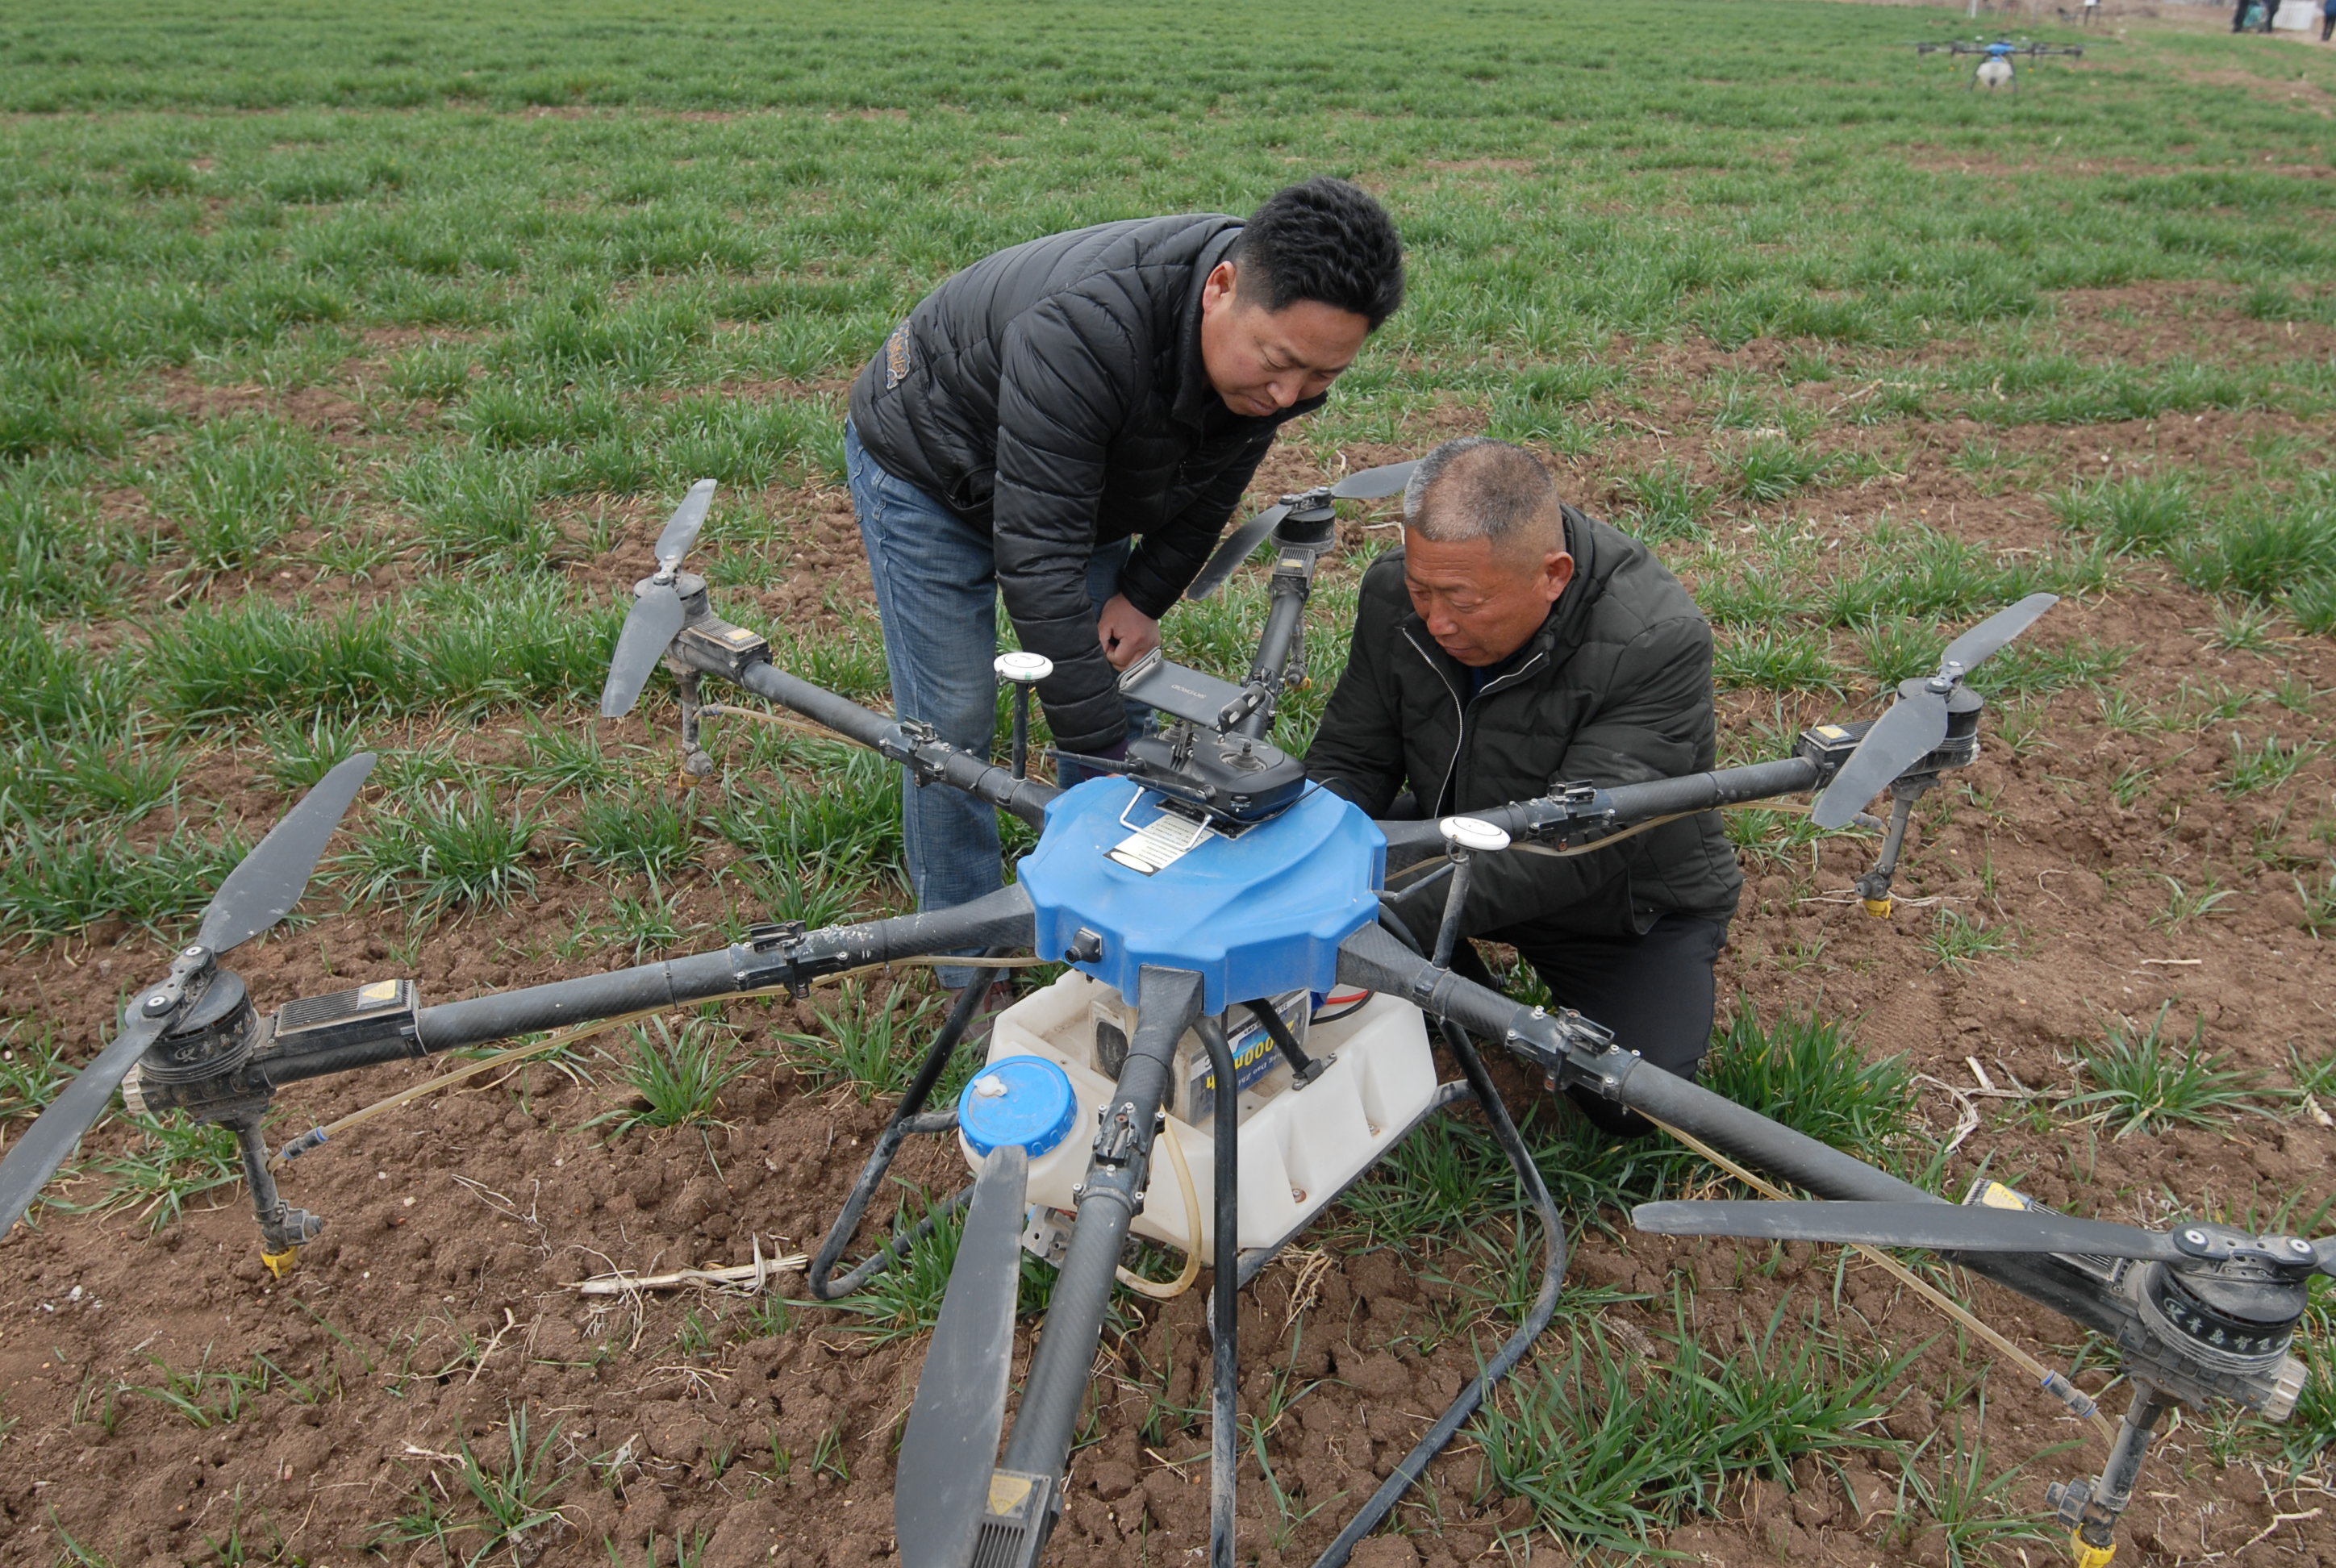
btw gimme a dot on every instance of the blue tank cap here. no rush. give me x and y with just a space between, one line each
1025 1100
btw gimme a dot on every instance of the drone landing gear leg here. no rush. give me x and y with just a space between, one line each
1224 1297
1488 1095
1873 887
1061 1373
907 1117
695 764
2093 1507
283 1229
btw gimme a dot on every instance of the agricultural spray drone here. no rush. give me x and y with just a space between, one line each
1995 67
1244 997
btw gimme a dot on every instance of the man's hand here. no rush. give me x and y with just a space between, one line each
1126 633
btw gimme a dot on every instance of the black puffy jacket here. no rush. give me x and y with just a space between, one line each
1614 688
1053 394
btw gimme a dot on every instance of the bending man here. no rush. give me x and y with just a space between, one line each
1049 408
1513 644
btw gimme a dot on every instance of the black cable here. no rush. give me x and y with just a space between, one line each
905 1121
1382 1501
1224 1301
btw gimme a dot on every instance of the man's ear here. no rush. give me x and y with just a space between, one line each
1222 286
1556 572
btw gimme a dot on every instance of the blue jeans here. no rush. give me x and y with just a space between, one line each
936 591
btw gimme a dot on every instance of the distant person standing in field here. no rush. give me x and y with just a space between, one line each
2327 19
1070 423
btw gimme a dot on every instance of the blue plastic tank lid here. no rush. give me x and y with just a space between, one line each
1025 1100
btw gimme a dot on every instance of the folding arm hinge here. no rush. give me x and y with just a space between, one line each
1571 1051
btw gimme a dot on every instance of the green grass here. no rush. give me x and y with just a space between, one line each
2143 1079
495 1501
869 1044
165 1166
341 391
677 1075
1610 1449
448 851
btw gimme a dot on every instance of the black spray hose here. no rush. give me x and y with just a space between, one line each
905 1121
1545 1306
1224 1299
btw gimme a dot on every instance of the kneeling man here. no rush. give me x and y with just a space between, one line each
1513 644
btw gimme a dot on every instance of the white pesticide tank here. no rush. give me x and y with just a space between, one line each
1994 73
1299 1147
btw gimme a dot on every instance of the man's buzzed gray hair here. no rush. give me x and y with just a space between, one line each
1476 487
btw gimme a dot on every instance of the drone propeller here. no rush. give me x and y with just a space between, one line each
261 891
656 614
951 1444
1375 484
1917 722
1370 484
1234 550
1962 1228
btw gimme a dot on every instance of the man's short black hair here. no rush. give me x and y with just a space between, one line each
1326 240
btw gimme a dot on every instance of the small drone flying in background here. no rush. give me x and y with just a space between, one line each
1995 66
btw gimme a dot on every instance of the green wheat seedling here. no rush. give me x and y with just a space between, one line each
635 832
59 880
211 1396
447 851
2151 515
1895 649
677 1076
1754 598
2261 550
2143 1080
2022 670
505 1495
873 1046
1807 1072
481 508
1608 1449
2244 628
905 1299
1771 469
1775 659
1436 1183
299 755
1979 1514
2318 899
561 760
2268 765
1957 941
165 1168
32 1070
244 483
2312 604
1665 503
2183 904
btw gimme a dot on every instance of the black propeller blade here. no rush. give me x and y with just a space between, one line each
1234 550
1941 1227
260 892
951 1444
268 882
1917 722
656 617
1371 483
